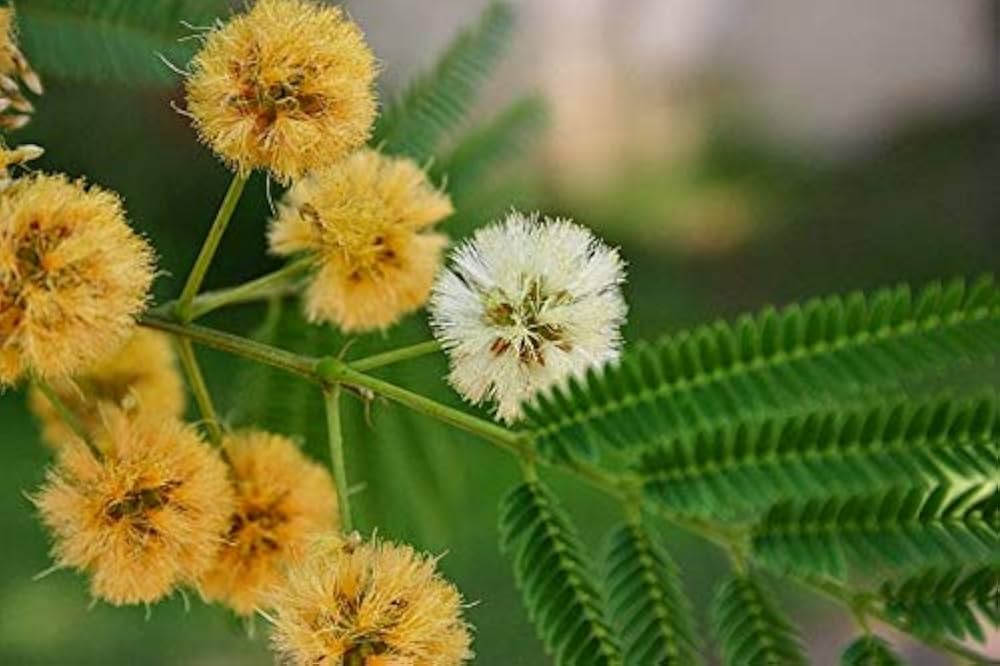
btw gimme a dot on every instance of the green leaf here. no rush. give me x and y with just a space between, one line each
112 40
484 148
898 529
437 102
649 609
750 628
869 651
946 601
555 578
738 470
824 352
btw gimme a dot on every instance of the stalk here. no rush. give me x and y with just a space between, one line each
277 283
67 416
336 437
211 244
200 390
396 356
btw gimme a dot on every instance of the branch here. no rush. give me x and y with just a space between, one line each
331 372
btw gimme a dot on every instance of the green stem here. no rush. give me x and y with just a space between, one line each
208 248
234 344
200 390
67 415
277 283
396 356
336 438
846 597
332 370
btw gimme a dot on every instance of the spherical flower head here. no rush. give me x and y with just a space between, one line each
15 109
283 501
374 603
73 277
527 304
287 87
366 221
146 516
141 377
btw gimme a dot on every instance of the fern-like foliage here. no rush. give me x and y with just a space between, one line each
869 651
947 601
751 630
901 529
556 578
112 40
483 148
437 102
649 609
825 351
736 470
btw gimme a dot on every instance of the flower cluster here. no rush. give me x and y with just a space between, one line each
353 602
285 87
526 304
367 222
136 499
15 109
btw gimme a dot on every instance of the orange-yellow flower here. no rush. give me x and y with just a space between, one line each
15 109
287 87
148 515
374 603
366 220
73 277
142 377
283 500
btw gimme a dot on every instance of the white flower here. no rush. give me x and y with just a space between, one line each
525 305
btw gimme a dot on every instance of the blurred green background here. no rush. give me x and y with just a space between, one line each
726 211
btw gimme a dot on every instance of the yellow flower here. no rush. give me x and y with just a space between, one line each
286 87
73 277
366 221
349 602
15 109
146 517
283 500
143 376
